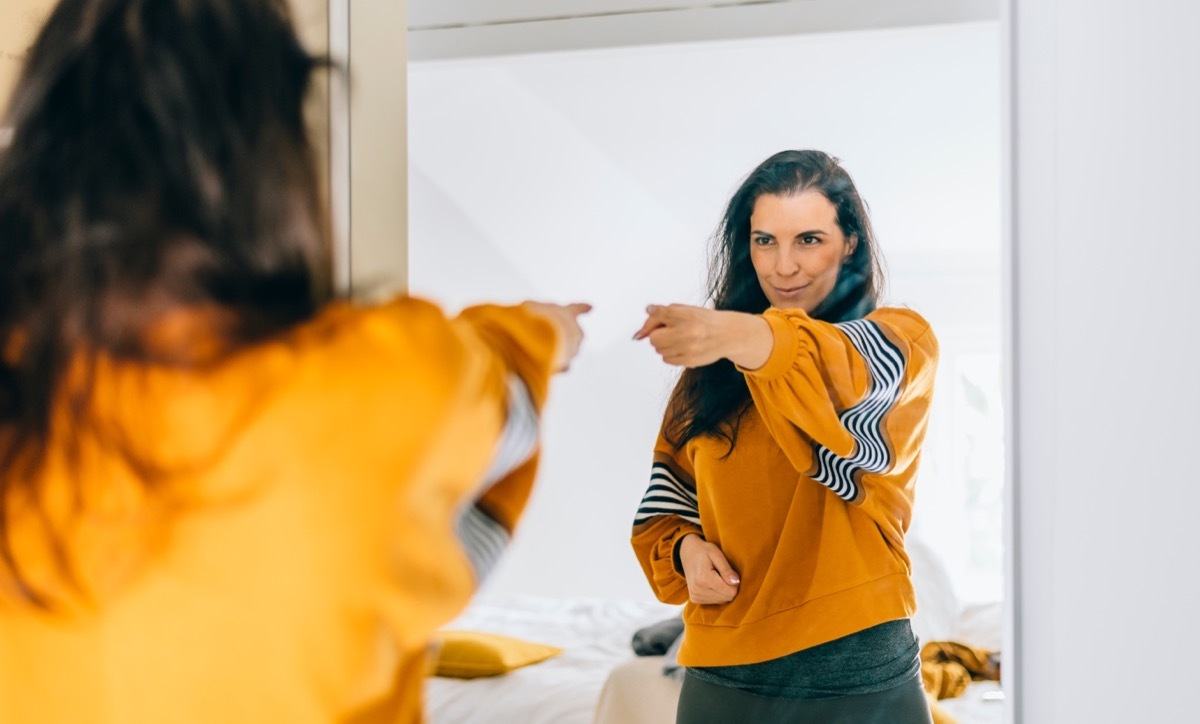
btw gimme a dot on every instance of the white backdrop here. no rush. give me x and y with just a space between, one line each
600 175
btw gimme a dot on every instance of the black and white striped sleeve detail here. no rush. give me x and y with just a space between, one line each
886 366
670 493
483 537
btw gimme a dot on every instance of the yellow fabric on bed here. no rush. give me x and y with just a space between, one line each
949 667
470 654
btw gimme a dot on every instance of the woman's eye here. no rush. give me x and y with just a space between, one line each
762 240
810 240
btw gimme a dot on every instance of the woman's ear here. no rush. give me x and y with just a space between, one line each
851 246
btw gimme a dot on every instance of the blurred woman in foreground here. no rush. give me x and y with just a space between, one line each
226 496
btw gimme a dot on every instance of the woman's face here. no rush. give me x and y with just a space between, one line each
797 248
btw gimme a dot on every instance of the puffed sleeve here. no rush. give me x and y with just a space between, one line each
438 437
846 400
669 510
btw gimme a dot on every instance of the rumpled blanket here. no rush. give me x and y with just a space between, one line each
949 667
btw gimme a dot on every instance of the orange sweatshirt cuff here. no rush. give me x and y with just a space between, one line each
783 354
667 578
527 341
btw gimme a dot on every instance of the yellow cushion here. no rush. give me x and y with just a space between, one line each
469 654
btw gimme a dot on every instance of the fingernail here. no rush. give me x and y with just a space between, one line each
734 579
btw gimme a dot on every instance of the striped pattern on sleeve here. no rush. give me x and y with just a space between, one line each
671 492
484 538
865 419
519 439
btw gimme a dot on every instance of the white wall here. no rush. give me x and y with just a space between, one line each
600 175
1107 141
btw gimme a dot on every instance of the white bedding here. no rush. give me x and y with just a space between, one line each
595 635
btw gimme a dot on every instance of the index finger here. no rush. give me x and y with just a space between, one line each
715 583
655 318
648 326
721 564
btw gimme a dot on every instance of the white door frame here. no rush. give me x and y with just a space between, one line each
368 146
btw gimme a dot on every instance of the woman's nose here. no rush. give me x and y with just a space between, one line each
786 263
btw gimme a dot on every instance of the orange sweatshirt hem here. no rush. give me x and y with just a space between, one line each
816 622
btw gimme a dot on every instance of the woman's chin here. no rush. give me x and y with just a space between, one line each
790 304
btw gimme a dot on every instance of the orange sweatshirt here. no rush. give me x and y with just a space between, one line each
322 503
812 505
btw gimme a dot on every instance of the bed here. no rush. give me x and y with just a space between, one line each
598 679
594 635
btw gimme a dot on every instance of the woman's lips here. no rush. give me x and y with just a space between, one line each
790 292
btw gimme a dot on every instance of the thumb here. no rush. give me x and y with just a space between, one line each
578 308
722 565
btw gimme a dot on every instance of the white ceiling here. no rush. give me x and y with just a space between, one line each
444 29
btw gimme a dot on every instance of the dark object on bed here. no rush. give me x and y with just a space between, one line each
655 639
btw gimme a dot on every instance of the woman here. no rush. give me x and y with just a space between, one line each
226 496
782 482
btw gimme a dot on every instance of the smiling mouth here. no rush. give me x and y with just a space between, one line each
791 291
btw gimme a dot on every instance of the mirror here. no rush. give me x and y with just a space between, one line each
599 174
590 158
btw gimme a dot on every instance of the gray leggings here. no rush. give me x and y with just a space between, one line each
703 702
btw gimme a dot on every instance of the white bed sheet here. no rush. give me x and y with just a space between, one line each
594 634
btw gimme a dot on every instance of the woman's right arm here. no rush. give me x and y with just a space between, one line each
669 511
669 541
486 522
439 419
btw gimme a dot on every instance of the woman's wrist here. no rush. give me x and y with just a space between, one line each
748 339
677 553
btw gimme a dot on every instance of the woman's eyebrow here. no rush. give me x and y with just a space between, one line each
801 235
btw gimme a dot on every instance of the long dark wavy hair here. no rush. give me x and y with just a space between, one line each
158 160
711 400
